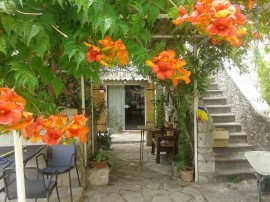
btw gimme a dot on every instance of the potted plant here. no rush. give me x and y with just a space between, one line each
186 171
103 141
100 167
184 158
100 160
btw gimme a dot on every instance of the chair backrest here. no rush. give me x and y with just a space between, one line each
62 155
34 183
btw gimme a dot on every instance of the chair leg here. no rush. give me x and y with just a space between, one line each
77 174
153 148
70 187
158 155
35 199
57 193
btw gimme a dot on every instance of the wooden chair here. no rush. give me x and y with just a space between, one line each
164 143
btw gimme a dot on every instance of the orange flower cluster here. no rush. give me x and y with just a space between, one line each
166 66
250 4
54 130
220 19
109 54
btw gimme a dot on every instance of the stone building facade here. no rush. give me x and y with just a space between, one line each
255 123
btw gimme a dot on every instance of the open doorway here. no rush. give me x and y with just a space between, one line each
134 107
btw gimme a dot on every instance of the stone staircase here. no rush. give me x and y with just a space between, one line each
230 161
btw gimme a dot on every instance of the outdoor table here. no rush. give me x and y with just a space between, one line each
142 129
8 156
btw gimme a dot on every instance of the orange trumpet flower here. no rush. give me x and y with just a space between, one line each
109 53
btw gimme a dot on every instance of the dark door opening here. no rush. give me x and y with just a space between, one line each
134 107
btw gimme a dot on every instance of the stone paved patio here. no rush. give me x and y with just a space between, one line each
153 183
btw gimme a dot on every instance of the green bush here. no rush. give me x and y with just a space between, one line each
264 76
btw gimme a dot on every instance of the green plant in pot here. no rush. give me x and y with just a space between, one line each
101 159
103 141
184 158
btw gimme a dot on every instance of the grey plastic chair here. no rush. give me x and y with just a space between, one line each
35 184
60 158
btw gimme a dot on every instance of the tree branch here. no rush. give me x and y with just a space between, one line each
28 13
59 31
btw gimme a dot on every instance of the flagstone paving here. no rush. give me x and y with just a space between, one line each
129 182
155 182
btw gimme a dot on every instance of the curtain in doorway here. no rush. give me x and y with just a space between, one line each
116 108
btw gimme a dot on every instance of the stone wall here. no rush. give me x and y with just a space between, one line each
254 124
206 158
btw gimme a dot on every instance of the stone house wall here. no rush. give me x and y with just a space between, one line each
206 157
254 124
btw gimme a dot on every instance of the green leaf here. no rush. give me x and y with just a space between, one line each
173 13
79 57
136 6
13 40
57 85
85 4
8 23
71 53
48 18
27 27
36 63
3 45
3 7
146 7
46 74
98 6
124 28
181 2
153 14
81 34
146 35
42 45
160 3
106 25
97 21
23 76
70 48
34 31
60 2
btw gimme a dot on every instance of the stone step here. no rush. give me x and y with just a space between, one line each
213 86
233 160
231 165
233 147
215 101
238 137
223 117
212 93
230 157
230 126
214 109
234 175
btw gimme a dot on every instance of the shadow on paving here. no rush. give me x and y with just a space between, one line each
155 183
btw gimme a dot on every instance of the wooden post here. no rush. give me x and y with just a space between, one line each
196 100
19 166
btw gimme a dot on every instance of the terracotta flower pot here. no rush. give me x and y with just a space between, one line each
187 174
98 165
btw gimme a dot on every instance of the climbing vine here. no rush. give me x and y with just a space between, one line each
41 39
